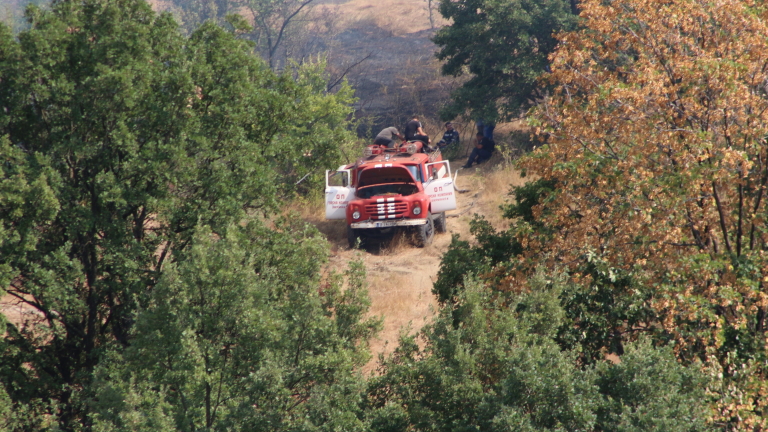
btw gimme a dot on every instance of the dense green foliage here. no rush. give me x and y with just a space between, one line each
225 350
503 46
121 140
463 258
490 362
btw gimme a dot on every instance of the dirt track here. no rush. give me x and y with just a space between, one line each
400 275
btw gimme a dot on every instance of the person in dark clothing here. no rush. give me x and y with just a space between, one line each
414 132
387 137
451 136
486 128
482 151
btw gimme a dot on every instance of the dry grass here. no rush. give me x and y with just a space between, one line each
394 293
489 187
497 185
313 212
405 301
399 243
490 182
397 16
20 313
513 126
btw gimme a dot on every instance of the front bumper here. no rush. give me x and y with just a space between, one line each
387 223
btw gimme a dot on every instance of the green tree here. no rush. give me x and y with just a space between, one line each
318 135
120 137
490 362
238 336
492 248
491 253
650 391
503 46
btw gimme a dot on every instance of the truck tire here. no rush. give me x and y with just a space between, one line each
441 224
352 237
425 233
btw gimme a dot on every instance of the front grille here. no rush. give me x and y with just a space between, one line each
387 208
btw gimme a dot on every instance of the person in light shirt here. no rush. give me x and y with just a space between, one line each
387 137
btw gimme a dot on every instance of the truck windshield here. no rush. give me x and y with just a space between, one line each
415 171
387 175
387 190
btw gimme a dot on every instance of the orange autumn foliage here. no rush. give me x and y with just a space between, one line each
656 139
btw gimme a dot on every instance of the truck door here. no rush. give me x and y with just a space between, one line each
338 193
439 187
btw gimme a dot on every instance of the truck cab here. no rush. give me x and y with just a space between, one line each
388 189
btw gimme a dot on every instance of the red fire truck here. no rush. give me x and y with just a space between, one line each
388 189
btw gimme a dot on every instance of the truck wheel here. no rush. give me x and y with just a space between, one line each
353 237
425 233
441 224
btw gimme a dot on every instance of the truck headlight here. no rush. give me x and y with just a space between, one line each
417 210
355 214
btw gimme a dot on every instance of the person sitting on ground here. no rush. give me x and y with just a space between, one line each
486 128
482 151
451 136
415 132
387 137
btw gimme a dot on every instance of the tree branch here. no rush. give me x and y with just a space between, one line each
721 213
336 82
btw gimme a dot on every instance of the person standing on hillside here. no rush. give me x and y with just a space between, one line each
482 151
415 132
387 137
451 136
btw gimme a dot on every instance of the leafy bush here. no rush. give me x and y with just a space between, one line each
490 361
